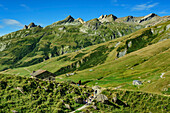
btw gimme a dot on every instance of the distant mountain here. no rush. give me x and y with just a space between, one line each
34 44
69 21
147 21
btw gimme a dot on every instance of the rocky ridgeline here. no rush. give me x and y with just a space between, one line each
107 18
69 21
31 25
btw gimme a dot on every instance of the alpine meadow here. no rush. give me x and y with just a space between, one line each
107 64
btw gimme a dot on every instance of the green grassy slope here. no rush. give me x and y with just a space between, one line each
23 94
31 46
132 102
108 69
146 65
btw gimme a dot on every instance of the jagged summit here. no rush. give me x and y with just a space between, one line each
107 18
31 25
148 17
69 20
81 20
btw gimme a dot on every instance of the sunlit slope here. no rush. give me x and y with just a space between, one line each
142 55
146 65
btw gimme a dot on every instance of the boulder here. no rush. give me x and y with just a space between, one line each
61 28
102 98
137 82
67 106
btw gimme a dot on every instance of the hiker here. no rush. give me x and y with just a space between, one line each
92 96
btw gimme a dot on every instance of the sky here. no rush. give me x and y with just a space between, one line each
14 14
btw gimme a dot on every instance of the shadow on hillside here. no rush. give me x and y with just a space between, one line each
119 102
85 82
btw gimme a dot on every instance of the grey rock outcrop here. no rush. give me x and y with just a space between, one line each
102 98
122 53
137 82
31 25
147 17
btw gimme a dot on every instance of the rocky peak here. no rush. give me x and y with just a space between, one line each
81 20
31 25
148 17
25 27
129 18
101 17
107 18
69 19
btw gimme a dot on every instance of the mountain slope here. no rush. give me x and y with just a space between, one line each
35 44
110 54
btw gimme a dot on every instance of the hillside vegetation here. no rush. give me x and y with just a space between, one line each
34 45
117 62
22 94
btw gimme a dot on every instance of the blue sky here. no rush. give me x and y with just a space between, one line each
14 14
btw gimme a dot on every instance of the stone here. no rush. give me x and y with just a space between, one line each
67 106
168 26
90 69
117 44
162 75
61 28
129 44
137 82
122 53
102 98
14 111
149 81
